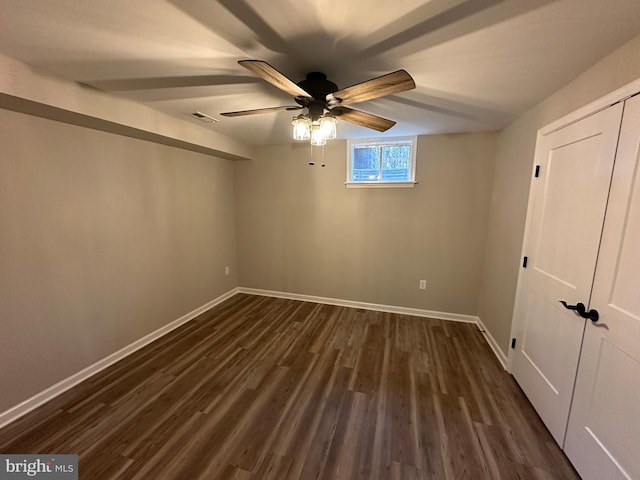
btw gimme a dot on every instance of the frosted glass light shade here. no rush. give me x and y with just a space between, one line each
301 128
318 138
328 126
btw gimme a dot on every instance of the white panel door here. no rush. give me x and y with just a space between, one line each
603 437
569 199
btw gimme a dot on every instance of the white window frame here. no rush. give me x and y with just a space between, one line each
358 142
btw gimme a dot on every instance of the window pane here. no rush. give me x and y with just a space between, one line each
396 163
381 161
366 164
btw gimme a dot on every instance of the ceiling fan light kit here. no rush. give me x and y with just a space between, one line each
324 101
318 131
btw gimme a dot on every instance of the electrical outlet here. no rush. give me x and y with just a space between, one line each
423 285
226 270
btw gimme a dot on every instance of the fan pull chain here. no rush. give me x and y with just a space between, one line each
311 161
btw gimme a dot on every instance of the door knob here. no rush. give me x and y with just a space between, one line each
592 315
579 308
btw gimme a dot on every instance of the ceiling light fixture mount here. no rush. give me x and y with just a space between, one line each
319 125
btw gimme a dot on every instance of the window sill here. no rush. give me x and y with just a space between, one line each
380 184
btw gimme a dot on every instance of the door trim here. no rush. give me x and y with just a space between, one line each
601 103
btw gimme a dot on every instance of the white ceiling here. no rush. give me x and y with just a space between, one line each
477 64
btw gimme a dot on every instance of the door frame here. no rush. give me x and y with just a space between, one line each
591 108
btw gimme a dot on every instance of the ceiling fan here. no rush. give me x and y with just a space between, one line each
324 100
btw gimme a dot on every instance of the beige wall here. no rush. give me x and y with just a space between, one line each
104 239
514 162
300 230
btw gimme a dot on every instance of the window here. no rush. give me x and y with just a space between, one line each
386 162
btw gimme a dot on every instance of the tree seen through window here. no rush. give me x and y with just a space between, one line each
391 163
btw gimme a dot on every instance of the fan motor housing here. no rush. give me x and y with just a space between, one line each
317 85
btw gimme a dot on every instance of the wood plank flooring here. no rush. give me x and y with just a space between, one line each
265 388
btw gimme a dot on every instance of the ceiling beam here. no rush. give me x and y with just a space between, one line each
26 89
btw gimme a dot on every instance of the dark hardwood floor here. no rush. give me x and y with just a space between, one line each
265 388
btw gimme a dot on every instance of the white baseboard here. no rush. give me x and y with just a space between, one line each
502 358
456 317
30 404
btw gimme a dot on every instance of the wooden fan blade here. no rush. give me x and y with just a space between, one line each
364 119
274 77
395 82
256 111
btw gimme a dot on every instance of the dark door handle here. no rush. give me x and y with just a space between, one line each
579 308
592 315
